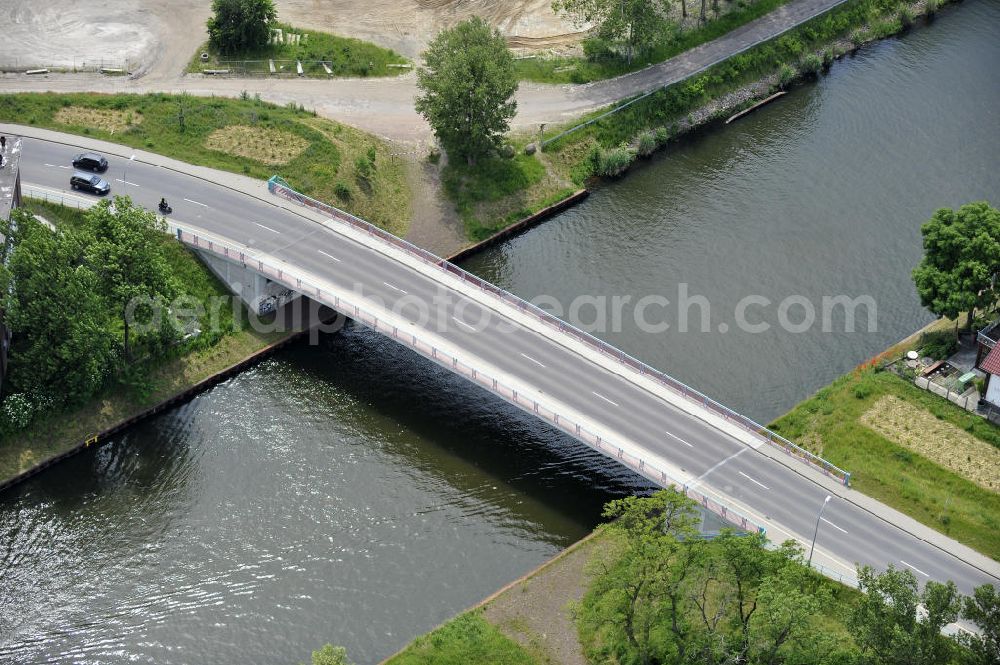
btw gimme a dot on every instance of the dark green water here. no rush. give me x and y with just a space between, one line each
355 494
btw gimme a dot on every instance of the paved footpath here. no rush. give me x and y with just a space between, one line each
384 106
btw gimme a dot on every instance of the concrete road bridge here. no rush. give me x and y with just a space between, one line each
644 419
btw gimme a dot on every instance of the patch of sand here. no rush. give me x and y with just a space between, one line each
265 145
939 441
110 120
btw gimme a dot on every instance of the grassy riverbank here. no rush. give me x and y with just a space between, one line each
150 381
345 56
324 159
609 146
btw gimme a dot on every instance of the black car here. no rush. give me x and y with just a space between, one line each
90 161
90 183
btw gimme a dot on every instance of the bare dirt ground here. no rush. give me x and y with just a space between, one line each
162 36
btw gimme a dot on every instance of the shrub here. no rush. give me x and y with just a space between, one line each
931 7
906 17
811 64
647 144
786 75
616 161
595 48
342 191
827 58
939 345
859 36
662 135
434 156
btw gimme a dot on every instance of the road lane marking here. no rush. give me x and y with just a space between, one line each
394 288
718 464
674 436
909 565
754 481
604 398
267 228
329 256
126 182
532 360
197 203
463 323
833 525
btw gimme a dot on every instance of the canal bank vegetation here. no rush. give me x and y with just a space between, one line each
321 158
72 373
647 589
494 194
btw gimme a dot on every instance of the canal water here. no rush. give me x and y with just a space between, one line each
358 495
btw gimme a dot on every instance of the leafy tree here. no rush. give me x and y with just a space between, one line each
637 24
126 251
665 595
467 86
889 629
61 347
983 609
239 25
961 260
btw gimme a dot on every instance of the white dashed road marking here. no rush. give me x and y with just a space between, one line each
754 481
833 525
329 256
394 288
267 228
908 565
604 398
197 203
463 323
674 436
532 360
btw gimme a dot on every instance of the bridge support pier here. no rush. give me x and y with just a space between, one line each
260 294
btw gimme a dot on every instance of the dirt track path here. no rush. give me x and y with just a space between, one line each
385 106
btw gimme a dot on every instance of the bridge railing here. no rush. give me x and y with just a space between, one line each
363 314
279 187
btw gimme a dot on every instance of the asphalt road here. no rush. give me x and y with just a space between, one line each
786 496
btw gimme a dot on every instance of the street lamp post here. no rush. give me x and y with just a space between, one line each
816 530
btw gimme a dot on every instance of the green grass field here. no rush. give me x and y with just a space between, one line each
345 56
828 423
184 127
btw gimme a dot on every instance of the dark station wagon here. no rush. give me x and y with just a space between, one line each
90 161
88 182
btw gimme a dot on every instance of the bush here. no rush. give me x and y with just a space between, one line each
662 135
827 58
647 144
786 75
342 191
812 64
932 7
906 17
595 48
616 161
938 345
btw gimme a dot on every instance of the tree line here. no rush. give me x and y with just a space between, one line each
70 296
662 594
